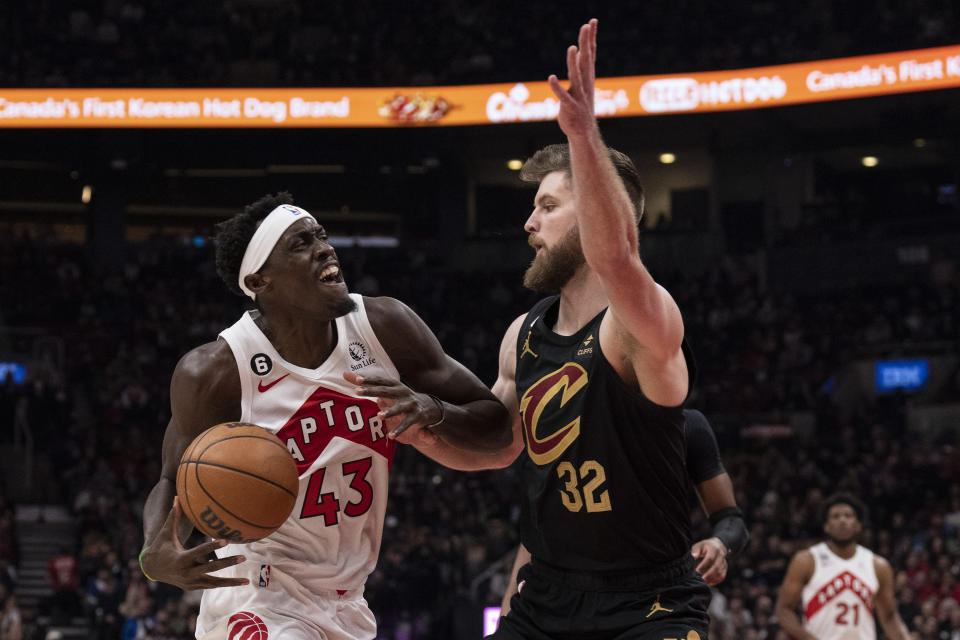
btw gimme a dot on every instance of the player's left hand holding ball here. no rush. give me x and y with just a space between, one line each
166 560
400 408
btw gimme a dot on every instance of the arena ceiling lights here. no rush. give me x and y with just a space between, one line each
799 83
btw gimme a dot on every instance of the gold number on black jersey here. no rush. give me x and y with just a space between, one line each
571 496
593 473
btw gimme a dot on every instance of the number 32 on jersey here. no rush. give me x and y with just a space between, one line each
584 487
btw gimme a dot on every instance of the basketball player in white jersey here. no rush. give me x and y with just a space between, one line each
840 584
296 366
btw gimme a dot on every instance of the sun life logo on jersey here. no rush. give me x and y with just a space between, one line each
358 352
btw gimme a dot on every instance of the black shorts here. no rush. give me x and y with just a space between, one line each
555 604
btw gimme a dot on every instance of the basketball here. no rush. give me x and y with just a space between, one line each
237 481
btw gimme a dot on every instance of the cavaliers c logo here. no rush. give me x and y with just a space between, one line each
567 380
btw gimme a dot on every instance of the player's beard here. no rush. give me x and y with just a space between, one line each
552 269
343 306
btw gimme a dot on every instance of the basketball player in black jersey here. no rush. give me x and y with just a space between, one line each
714 491
596 378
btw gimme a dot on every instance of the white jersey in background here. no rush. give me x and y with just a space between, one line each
838 599
323 553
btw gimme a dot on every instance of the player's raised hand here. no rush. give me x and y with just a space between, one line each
577 117
400 408
166 560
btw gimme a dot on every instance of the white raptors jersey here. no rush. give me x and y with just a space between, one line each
332 538
838 600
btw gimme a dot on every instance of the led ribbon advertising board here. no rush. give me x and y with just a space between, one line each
804 82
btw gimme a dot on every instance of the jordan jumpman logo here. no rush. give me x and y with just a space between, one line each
526 347
657 607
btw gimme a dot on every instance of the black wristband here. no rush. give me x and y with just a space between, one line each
730 528
720 514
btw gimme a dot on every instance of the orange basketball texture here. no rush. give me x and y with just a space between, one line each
237 481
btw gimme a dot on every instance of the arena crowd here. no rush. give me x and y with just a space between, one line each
762 353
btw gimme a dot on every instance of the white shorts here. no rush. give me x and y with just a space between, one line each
274 606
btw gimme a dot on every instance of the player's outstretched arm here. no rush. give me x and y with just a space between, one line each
204 391
436 395
440 449
646 327
886 603
798 574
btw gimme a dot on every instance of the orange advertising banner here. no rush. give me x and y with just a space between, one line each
838 79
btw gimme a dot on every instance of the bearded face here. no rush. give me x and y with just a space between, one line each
553 267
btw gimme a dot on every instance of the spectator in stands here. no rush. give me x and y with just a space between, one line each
11 623
64 579
9 547
103 604
139 619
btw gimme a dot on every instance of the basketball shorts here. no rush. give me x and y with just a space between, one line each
275 606
555 604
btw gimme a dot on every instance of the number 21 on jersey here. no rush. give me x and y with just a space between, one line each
849 614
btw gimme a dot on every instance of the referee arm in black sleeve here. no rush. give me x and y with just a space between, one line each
715 491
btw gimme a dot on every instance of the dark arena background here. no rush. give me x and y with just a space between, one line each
812 248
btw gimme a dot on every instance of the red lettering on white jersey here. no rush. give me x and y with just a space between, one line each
328 414
842 582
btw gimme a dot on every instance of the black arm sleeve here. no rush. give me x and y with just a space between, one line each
728 525
703 454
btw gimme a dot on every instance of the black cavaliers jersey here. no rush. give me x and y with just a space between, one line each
604 475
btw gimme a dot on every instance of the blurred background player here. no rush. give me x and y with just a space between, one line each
290 366
839 584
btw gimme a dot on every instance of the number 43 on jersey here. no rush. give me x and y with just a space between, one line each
317 503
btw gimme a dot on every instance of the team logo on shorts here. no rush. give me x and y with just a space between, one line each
264 575
246 626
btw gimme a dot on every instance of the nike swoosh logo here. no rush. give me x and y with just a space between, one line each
266 387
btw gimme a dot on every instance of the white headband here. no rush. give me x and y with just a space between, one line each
265 239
